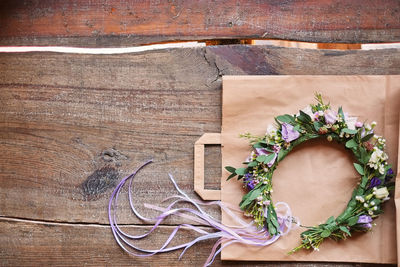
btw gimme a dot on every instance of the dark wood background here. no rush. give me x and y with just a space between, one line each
71 126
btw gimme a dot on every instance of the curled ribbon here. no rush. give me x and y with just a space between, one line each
243 232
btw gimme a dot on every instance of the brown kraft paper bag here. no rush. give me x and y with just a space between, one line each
317 178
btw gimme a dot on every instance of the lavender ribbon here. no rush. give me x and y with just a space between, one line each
242 232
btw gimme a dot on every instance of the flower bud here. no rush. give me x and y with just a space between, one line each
382 193
323 130
335 127
329 138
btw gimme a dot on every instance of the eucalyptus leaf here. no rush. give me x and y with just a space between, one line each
325 233
249 197
352 221
240 171
231 176
258 145
269 158
351 143
282 154
349 131
286 118
252 164
271 229
317 125
359 168
330 220
364 156
230 169
261 158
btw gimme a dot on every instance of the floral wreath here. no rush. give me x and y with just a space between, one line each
316 121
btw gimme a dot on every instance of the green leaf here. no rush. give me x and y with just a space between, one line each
359 168
296 128
340 111
349 131
278 122
282 154
351 143
317 125
231 176
230 169
261 158
271 229
345 230
269 158
286 118
272 216
352 221
364 156
249 197
330 220
367 137
304 117
325 233
257 145
240 171
252 164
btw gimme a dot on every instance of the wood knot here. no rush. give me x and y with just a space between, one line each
99 181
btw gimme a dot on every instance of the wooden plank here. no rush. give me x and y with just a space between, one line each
124 23
72 125
36 244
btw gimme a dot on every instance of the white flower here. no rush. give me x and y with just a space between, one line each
308 111
376 157
382 193
351 122
360 198
382 169
371 212
271 131
373 124
320 113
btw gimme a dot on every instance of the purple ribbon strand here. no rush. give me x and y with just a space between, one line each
243 232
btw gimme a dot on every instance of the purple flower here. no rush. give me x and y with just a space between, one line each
374 182
389 175
359 124
288 134
364 219
366 225
278 148
365 133
330 116
248 179
315 116
262 151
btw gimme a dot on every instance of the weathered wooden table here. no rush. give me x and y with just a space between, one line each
72 125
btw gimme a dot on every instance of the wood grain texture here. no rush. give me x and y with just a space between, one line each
72 125
37 244
122 23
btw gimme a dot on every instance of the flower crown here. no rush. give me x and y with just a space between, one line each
316 121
